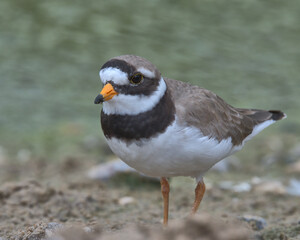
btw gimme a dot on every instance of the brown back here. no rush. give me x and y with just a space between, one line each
215 118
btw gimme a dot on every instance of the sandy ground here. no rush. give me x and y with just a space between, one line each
64 200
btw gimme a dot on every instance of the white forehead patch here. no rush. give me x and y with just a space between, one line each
113 74
134 104
146 72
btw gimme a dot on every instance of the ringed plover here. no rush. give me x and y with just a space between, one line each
165 128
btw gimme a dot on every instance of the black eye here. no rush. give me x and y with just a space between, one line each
136 78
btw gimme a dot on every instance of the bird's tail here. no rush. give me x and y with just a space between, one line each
277 115
260 116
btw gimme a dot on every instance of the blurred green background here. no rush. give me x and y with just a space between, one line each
51 51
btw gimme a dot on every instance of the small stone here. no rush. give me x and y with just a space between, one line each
87 229
225 185
256 223
242 187
126 200
109 169
274 187
294 187
256 180
52 228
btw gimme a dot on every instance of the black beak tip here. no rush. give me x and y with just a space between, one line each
99 99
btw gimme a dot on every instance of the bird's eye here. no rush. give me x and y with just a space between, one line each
137 78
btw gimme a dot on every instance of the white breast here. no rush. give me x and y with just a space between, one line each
179 151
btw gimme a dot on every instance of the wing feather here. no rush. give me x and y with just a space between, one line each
215 118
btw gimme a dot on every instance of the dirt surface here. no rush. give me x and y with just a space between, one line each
64 201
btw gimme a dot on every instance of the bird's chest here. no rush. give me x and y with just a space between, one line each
128 127
139 126
177 151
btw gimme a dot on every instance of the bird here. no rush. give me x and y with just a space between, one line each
165 128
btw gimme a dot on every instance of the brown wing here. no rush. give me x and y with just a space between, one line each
212 115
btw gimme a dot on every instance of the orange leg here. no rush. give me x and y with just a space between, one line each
165 189
199 193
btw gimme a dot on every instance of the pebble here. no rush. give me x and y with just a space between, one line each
225 185
275 187
258 185
52 228
87 229
126 200
109 169
240 187
294 187
105 171
257 223
256 180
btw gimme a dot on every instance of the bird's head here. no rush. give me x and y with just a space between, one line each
131 85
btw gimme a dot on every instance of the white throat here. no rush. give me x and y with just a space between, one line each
134 104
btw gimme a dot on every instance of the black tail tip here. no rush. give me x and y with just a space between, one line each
277 115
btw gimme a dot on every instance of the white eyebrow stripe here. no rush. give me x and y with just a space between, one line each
113 74
146 72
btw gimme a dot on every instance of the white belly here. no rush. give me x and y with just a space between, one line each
179 151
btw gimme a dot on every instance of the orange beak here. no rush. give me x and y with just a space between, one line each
107 93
